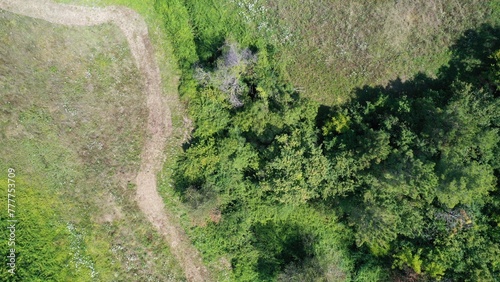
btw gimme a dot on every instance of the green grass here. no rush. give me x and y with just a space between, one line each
168 61
72 116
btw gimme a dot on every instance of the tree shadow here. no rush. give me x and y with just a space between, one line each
471 58
280 244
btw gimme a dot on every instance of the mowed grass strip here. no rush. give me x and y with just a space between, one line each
72 122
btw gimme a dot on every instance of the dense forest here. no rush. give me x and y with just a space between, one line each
399 183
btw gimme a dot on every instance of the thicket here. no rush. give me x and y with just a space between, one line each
399 183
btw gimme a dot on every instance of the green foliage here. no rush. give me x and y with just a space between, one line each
436 167
435 270
296 174
259 154
213 23
494 74
371 273
176 20
407 258
212 113
410 169
338 124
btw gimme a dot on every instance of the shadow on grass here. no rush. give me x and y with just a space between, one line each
472 58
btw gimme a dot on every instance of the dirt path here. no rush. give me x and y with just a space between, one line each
159 119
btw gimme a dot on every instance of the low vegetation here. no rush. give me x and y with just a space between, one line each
72 116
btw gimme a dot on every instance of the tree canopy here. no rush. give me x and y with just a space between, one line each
403 179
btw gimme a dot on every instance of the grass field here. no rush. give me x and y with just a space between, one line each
72 118
165 59
170 74
330 47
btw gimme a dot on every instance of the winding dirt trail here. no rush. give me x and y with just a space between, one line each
159 119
